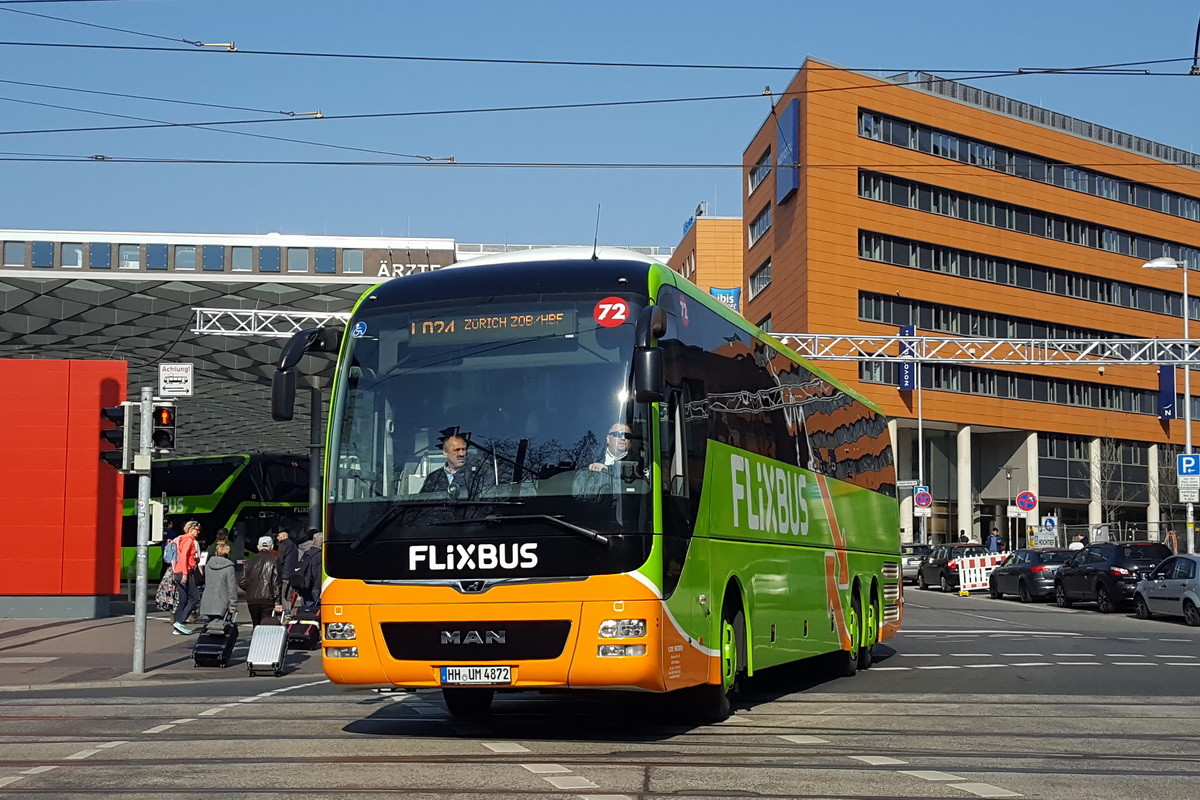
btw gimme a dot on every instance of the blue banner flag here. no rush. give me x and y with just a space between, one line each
908 369
731 298
1166 392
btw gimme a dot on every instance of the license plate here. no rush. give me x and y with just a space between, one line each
452 676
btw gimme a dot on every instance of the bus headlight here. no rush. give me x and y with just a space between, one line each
621 650
622 628
341 652
340 630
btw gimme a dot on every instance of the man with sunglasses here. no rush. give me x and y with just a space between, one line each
603 476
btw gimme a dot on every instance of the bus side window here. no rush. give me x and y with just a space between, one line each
671 436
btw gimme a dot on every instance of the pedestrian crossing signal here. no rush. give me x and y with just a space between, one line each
163 421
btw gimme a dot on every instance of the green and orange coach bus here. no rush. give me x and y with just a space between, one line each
750 521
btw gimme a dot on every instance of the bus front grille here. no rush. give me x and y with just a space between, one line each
480 640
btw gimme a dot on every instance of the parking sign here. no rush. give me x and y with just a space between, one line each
1187 464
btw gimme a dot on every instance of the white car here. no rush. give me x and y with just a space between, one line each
1171 589
911 556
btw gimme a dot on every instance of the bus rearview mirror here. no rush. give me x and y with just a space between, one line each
648 375
283 395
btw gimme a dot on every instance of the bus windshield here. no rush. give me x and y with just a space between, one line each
488 418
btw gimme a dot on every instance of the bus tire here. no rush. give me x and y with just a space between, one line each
870 628
468 703
844 663
710 702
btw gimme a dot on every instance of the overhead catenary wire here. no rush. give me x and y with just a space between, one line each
101 27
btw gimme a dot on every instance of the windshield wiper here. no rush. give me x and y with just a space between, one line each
399 506
595 536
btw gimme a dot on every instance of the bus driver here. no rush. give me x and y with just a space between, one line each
603 476
455 477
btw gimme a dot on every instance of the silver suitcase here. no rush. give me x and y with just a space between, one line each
268 646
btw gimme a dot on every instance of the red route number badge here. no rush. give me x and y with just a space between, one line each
611 312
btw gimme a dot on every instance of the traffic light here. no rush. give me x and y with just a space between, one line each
162 420
120 436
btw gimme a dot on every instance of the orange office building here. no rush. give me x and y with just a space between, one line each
874 203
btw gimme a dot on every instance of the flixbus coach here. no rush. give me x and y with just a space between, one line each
655 494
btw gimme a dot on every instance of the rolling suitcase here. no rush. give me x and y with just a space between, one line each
268 647
304 630
216 641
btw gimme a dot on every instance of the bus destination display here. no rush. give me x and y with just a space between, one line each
458 328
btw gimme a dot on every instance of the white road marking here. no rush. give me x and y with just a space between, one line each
1188 641
1182 664
10 779
984 666
940 666
1134 664
947 632
799 739
506 747
181 721
1132 639
1078 663
1169 655
545 769
211 711
106 745
27 659
891 669
158 729
1021 655
970 655
878 761
37 770
1031 664
571 782
931 775
82 754
1126 655
920 655
984 790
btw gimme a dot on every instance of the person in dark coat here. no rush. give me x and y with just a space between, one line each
220 584
262 581
617 463
459 478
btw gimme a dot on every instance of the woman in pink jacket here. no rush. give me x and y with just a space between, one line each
186 569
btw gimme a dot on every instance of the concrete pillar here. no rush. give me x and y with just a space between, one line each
1153 511
966 505
1095 510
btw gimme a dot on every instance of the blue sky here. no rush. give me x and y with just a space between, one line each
518 205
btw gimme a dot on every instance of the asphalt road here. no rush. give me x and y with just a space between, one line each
976 698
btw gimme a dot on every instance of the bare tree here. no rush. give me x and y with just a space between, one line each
1115 492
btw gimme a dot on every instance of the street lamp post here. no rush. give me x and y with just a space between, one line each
1012 538
1165 262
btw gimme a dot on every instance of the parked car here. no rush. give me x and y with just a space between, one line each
1172 588
1106 573
1028 573
911 556
941 565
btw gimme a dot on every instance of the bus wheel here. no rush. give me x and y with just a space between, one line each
870 636
710 702
468 702
845 662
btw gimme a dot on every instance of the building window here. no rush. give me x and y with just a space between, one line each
214 257
959 205
14 254
72 255
913 136
764 324
99 255
760 171
129 256
243 259
325 260
297 259
156 256
352 261
269 259
43 254
760 279
185 256
759 225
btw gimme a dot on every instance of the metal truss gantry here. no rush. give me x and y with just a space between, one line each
281 323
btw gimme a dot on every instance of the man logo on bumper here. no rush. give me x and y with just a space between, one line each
473 637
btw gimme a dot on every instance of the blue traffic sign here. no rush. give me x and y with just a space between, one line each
1187 464
1026 501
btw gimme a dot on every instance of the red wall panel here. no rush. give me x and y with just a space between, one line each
62 504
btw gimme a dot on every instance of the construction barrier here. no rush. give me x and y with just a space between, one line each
973 572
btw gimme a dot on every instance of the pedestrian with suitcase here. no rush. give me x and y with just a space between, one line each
214 646
220 584
262 581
